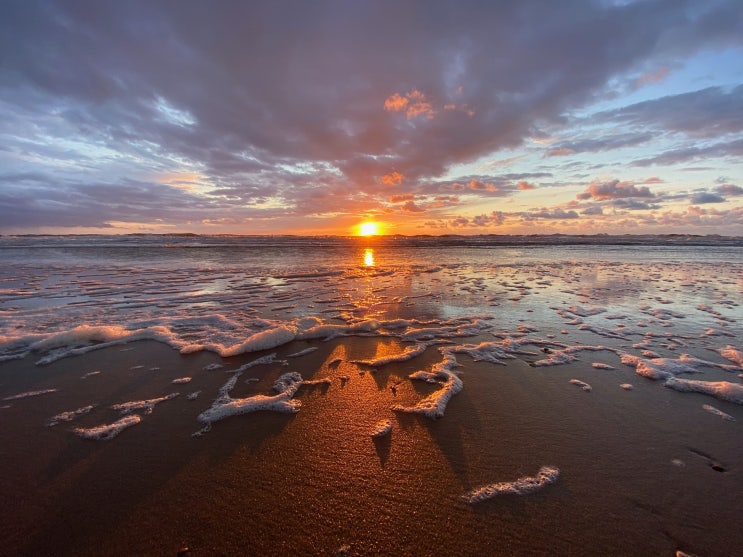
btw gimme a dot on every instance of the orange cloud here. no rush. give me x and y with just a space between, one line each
395 103
392 179
524 185
414 103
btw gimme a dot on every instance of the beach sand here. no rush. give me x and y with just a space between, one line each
642 471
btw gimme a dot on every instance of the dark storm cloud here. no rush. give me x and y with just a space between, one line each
314 103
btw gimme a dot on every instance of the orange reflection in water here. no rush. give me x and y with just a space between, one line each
369 257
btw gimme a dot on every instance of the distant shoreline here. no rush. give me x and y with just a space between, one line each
423 239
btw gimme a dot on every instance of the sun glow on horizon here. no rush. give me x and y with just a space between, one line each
369 228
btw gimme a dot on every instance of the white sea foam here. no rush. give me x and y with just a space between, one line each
263 340
268 359
434 405
627 386
181 380
409 353
601 365
69 416
618 332
108 431
28 394
451 329
723 390
225 406
78 340
568 354
147 405
663 368
528 484
585 386
492 352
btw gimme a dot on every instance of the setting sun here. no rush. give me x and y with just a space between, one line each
369 229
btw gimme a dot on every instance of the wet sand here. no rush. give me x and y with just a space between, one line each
645 471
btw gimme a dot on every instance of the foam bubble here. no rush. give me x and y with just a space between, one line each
529 484
181 380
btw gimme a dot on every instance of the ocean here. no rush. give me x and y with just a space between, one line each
486 395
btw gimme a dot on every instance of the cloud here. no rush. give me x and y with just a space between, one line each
392 179
560 152
686 154
731 190
617 141
495 218
706 197
411 207
413 103
288 109
614 189
706 113
596 210
556 213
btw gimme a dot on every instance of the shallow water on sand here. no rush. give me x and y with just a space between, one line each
646 471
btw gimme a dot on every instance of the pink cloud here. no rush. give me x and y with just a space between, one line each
614 190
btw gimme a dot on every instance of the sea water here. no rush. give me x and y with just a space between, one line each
397 396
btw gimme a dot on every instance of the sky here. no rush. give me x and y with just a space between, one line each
427 117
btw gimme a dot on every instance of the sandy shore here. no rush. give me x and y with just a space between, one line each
642 471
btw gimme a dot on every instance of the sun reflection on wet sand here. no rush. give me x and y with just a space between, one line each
369 257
